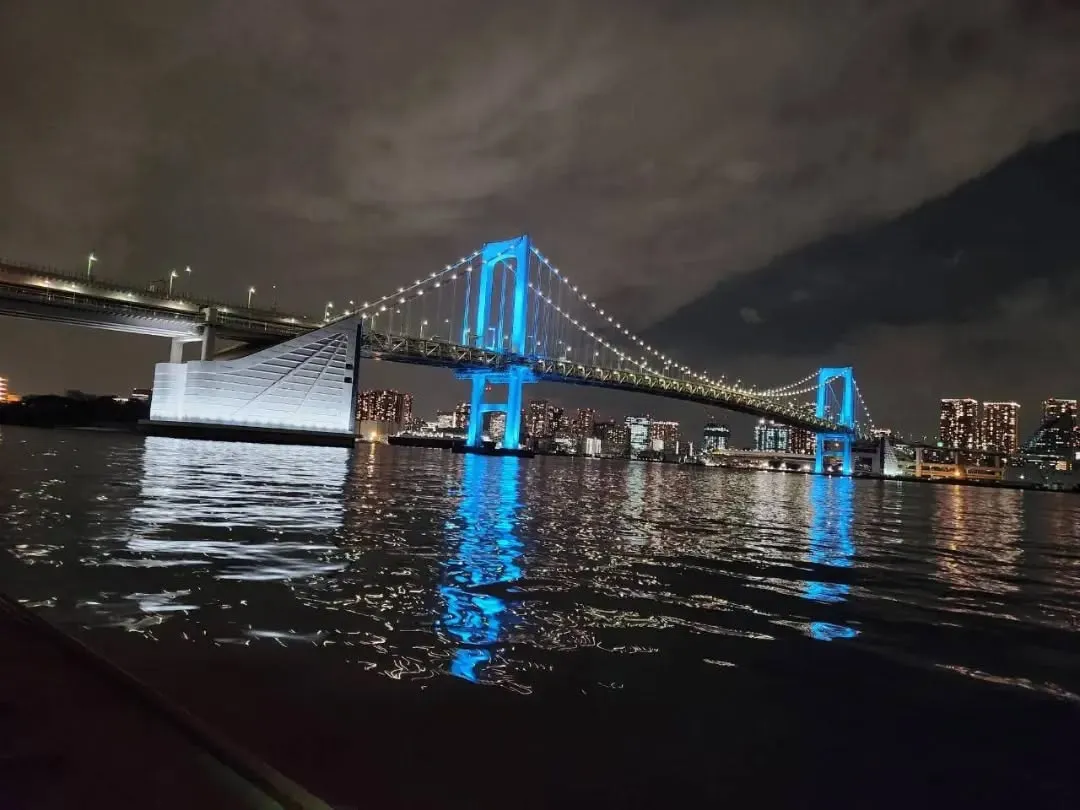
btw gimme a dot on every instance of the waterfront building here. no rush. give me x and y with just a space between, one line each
3 389
495 425
958 425
385 406
461 416
772 437
637 428
999 427
583 423
540 421
715 437
664 436
614 437
444 420
1057 434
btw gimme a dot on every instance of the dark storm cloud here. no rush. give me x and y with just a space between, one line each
653 147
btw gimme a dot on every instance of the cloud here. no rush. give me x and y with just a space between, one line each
750 315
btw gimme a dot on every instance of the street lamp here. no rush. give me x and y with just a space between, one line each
251 292
273 296
172 277
90 263
326 311
422 325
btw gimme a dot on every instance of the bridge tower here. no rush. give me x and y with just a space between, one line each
499 326
845 417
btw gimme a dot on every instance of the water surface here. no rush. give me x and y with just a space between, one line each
579 630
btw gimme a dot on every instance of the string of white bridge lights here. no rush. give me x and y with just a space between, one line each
435 280
667 361
866 409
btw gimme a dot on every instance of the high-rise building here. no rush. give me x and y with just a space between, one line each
540 420
664 436
3 389
560 423
1000 427
495 425
461 415
1057 434
638 433
582 426
801 441
771 437
715 437
614 437
959 424
444 420
385 406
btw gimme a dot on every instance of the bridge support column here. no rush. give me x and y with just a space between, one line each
176 350
845 417
209 338
513 378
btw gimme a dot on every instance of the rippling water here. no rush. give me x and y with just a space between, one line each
545 575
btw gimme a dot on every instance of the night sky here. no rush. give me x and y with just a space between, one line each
759 187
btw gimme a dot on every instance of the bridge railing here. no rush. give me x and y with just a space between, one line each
196 303
148 310
436 351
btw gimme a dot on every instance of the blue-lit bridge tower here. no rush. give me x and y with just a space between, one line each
842 411
499 325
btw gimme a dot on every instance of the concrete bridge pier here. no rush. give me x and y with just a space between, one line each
208 341
176 349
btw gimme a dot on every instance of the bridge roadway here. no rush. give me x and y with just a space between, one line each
435 352
49 295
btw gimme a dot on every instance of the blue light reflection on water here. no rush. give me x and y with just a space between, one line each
485 554
831 515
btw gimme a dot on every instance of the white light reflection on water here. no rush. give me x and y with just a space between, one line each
421 565
233 507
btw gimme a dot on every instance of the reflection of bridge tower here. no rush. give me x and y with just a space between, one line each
831 517
486 555
843 412
500 328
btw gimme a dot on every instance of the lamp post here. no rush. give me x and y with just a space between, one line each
187 282
90 264
172 277
326 311
251 292
422 325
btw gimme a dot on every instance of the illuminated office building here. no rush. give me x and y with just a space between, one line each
1057 434
384 406
495 425
540 419
614 437
664 436
771 437
715 437
1000 427
583 424
461 415
959 424
560 423
444 420
3 389
637 428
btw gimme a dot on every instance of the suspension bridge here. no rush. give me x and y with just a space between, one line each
502 317
505 315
